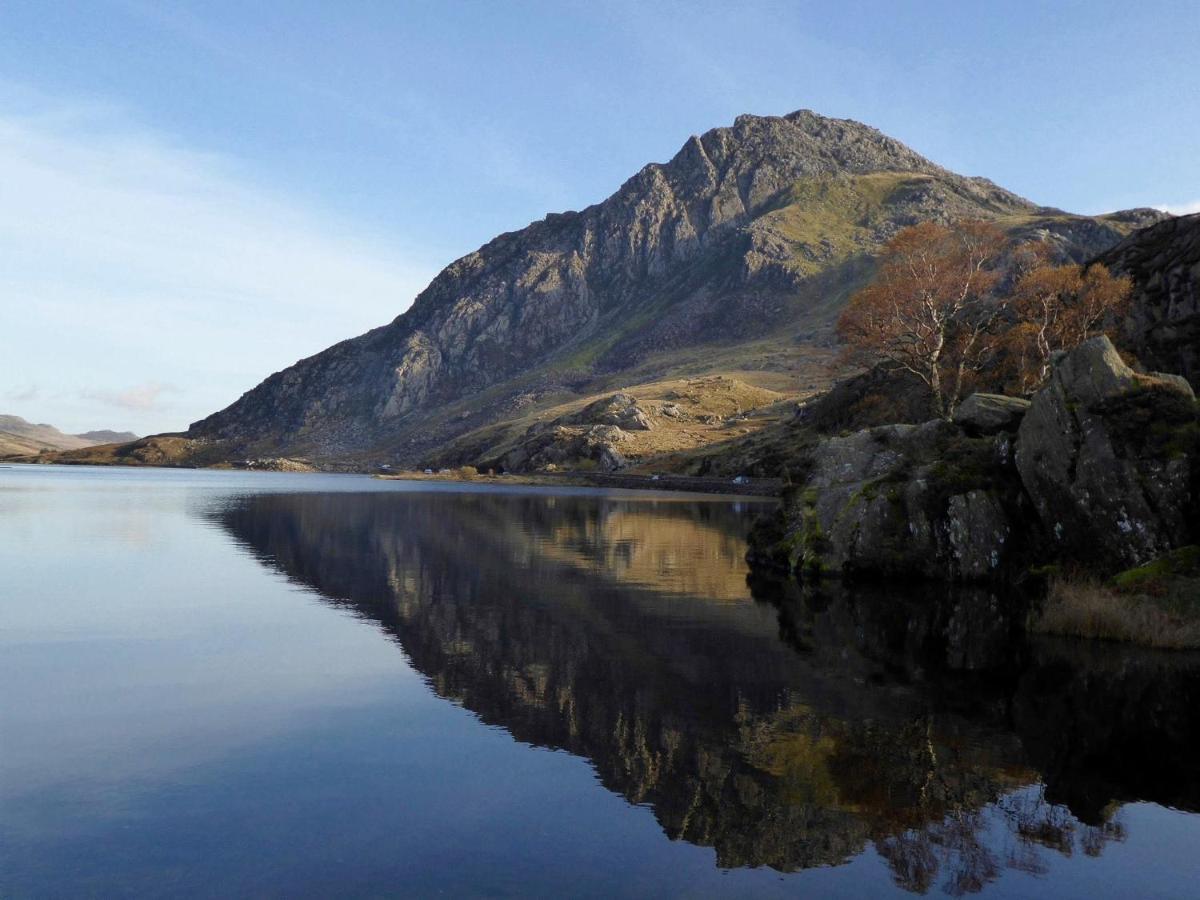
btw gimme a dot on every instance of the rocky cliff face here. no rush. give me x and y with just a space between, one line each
1163 328
752 232
1109 458
1103 469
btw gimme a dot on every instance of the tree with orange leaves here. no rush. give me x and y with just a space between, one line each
1057 307
931 310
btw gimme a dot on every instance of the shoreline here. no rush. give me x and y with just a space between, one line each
760 488
765 489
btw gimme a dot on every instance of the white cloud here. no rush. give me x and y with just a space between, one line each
1181 209
24 393
141 397
126 258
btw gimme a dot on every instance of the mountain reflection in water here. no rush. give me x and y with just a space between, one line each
789 730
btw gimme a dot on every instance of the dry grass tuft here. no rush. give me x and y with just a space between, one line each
1086 607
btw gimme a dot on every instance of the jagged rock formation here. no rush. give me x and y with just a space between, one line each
1163 327
751 233
1103 469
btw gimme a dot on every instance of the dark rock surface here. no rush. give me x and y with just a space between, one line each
1163 261
990 413
1102 454
905 500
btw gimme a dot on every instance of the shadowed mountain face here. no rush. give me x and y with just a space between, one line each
790 731
746 244
1164 264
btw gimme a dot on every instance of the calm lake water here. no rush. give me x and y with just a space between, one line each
237 684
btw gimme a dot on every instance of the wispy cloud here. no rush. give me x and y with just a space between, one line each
23 394
127 258
140 397
1181 209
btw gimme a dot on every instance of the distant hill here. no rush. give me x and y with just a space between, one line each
104 436
21 438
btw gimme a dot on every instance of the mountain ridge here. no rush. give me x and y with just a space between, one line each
733 256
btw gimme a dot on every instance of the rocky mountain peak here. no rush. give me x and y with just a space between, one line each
751 160
753 232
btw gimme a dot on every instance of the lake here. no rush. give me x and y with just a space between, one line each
249 684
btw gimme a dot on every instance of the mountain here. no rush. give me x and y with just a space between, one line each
21 438
105 436
732 259
1163 327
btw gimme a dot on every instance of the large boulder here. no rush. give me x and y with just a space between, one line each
1108 458
990 413
922 501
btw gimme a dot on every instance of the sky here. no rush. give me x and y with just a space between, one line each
196 195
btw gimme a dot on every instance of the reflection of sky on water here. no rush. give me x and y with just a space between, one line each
179 717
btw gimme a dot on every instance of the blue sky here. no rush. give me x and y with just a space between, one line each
194 195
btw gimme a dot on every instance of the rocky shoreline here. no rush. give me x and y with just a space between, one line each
1100 471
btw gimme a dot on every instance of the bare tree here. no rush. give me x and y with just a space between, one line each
931 310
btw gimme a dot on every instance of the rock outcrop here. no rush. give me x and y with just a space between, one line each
1103 468
589 438
1163 261
620 410
750 234
1108 457
561 446
990 413
904 500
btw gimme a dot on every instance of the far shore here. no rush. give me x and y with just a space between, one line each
767 488
761 488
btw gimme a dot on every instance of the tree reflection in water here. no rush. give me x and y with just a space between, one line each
789 728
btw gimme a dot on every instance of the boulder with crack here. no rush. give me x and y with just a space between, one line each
1108 457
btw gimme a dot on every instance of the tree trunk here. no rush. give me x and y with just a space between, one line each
935 387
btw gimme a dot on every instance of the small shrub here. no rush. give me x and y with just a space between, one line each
466 473
1171 577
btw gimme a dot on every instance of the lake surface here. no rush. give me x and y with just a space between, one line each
239 684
